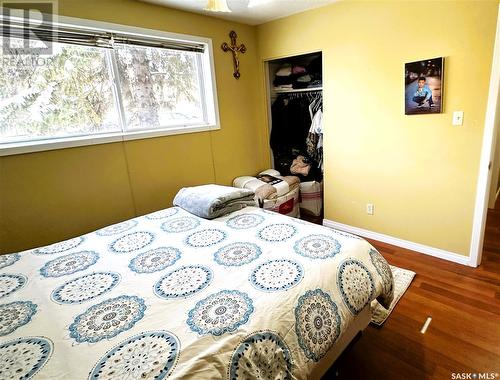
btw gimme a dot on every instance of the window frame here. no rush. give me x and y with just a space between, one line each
206 78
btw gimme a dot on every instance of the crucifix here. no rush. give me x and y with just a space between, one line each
236 50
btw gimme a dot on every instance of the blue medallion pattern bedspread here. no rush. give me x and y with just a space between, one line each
253 294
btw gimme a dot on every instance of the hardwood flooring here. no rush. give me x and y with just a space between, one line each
464 336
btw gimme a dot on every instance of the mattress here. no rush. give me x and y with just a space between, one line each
253 294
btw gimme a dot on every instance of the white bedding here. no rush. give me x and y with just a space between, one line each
253 294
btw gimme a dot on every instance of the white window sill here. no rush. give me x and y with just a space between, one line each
10 149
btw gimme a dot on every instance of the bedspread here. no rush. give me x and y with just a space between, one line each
253 294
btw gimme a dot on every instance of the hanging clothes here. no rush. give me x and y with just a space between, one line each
314 139
292 123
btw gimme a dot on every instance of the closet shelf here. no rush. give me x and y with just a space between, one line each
286 91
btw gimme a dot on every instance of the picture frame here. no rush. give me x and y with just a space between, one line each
424 86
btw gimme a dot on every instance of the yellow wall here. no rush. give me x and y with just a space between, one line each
419 171
49 196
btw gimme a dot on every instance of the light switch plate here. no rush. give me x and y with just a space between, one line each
369 208
458 118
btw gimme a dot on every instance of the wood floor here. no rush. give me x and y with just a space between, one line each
464 335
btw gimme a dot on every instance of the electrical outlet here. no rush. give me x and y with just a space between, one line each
369 208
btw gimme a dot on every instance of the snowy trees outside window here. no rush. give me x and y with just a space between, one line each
84 90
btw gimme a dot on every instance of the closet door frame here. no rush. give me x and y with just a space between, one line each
268 86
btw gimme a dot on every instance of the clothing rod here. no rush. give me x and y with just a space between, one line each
312 89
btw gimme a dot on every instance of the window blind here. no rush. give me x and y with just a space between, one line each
72 35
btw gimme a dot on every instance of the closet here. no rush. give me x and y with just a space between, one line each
295 94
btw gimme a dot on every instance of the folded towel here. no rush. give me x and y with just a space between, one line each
212 201
298 70
267 191
304 78
291 180
269 184
284 71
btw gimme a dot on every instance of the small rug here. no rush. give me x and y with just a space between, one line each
402 280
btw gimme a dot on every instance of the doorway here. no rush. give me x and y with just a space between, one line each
487 160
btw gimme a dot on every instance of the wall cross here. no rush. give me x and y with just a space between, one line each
235 50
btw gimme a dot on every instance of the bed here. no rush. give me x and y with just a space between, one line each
253 294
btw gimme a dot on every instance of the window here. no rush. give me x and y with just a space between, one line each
106 88
67 94
159 87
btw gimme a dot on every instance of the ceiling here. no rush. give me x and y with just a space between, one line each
240 12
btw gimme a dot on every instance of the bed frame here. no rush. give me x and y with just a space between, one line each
358 325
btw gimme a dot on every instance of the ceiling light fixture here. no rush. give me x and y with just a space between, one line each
217 6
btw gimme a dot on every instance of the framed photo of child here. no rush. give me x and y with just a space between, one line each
424 86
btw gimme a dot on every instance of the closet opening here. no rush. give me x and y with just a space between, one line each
295 101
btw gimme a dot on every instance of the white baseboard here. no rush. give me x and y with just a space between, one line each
425 249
